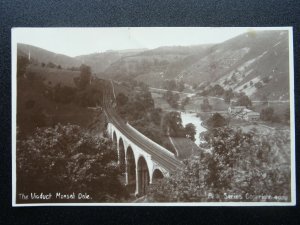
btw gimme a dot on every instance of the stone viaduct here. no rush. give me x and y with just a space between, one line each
139 166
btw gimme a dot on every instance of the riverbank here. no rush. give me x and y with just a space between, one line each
188 117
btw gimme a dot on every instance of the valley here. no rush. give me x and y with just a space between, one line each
187 114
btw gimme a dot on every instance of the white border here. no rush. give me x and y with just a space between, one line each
14 113
292 134
292 117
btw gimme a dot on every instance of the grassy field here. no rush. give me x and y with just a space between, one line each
217 104
194 104
119 88
159 102
184 147
279 107
35 109
54 76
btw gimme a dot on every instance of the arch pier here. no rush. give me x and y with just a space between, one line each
138 166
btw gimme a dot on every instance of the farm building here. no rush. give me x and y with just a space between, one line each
241 112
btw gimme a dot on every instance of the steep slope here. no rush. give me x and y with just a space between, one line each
99 62
43 56
264 70
255 63
154 66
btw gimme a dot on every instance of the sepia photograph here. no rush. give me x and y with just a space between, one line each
153 116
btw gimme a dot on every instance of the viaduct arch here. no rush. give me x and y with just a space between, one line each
142 160
139 167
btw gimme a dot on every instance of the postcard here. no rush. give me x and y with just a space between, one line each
153 116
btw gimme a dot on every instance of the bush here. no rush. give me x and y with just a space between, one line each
241 164
216 120
84 79
244 100
190 131
51 65
258 85
172 125
267 114
172 99
121 99
67 159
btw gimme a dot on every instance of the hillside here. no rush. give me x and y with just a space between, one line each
256 63
99 62
37 109
48 96
40 55
154 66
54 76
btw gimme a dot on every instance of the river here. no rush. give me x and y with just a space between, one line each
192 118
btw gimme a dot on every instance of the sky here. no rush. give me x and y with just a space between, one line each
80 41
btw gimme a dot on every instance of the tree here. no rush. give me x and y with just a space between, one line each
267 114
172 125
51 65
138 107
121 99
217 90
228 94
184 102
171 98
216 120
144 100
149 130
190 131
258 85
205 106
244 100
67 159
156 115
240 164
84 79
89 97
